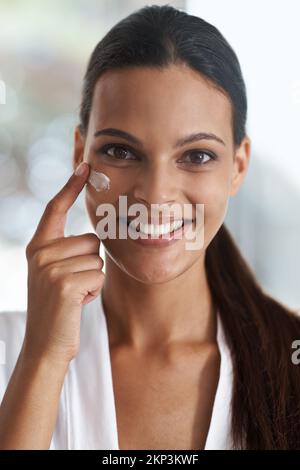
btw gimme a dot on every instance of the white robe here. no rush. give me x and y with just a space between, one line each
86 416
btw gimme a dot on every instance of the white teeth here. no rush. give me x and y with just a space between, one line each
153 229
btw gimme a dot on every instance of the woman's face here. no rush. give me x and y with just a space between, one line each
160 107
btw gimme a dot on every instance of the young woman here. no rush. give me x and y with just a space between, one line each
171 348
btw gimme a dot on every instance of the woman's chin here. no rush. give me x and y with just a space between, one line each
152 276
149 267
151 272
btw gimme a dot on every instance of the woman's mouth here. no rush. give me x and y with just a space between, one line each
157 234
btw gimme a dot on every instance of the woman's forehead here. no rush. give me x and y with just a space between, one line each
176 97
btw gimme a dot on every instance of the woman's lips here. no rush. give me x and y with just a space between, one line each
159 240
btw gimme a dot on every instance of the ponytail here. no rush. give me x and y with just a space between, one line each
259 331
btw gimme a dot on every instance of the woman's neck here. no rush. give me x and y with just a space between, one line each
142 315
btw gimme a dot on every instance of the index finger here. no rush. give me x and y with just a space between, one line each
53 220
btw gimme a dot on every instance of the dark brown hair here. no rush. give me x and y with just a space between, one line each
259 330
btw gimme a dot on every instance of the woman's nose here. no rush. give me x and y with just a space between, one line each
156 185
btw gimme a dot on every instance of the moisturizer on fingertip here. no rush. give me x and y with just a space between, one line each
99 181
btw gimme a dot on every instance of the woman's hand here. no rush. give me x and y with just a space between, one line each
64 273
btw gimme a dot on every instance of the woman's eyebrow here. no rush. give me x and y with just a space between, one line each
180 142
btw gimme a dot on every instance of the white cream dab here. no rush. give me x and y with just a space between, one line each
99 181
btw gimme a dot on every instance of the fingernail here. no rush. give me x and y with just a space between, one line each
81 169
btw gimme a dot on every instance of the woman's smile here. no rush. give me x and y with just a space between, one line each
157 234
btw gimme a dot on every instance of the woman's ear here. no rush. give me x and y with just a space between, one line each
79 143
240 165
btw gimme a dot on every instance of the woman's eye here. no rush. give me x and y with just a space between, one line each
116 151
199 157
122 153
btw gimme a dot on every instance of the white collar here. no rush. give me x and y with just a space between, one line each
89 404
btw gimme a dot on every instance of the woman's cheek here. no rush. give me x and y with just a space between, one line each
93 199
214 196
91 207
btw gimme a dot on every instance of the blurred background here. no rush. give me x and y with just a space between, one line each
44 49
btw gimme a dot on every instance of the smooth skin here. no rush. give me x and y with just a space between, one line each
160 312
161 317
